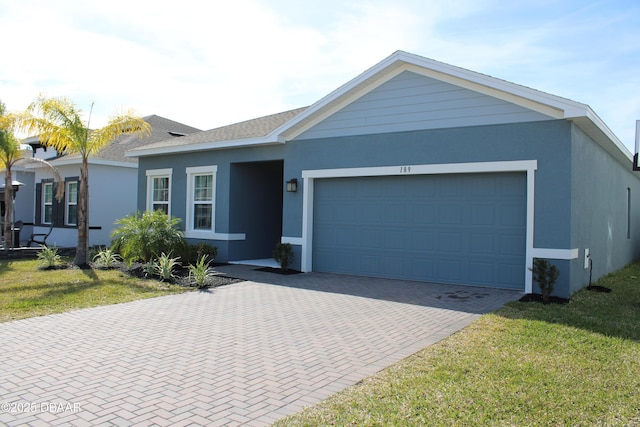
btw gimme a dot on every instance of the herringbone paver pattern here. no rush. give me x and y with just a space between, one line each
244 354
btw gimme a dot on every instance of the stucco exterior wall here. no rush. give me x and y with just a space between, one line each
601 219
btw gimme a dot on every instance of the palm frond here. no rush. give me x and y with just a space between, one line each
9 149
58 123
123 123
56 175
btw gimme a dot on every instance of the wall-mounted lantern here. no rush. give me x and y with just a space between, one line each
292 185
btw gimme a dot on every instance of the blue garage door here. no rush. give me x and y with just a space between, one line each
461 229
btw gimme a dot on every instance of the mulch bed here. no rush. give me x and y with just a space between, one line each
181 275
558 300
287 272
597 288
538 298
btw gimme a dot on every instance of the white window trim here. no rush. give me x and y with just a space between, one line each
205 234
68 202
157 173
45 204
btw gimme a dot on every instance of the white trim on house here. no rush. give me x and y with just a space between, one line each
309 177
248 142
158 173
44 204
68 203
565 254
92 161
292 240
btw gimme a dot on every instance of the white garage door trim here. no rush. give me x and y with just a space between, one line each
309 177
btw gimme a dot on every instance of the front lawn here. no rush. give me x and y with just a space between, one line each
27 291
526 364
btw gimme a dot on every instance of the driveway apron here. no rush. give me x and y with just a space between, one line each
244 354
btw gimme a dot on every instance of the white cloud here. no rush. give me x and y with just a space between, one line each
210 65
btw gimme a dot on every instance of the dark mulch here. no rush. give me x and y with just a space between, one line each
538 298
278 271
181 275
597 288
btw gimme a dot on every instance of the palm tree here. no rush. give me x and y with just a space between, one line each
59 124
12 152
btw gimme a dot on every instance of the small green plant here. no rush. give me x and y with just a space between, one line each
200 272
49 257
107 258
164 266
545 274
149 268
140 237
283 255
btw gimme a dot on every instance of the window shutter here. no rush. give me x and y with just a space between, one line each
38 204
58 208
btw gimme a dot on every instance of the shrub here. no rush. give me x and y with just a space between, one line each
143 236
106 258
164 266
190 254
545 274
48 257
283 255
199 272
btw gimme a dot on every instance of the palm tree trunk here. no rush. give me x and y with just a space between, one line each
83 215
8 210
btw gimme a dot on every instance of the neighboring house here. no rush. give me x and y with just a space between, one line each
112 187
23 199
413 170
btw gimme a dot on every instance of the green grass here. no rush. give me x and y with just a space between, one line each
27 291
527 364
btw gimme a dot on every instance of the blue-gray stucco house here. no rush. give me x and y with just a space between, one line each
416 170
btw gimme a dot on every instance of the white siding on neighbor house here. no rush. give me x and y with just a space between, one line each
23 207
410 101
112 195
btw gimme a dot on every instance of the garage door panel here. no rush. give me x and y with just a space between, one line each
482 243
511 244
450 269
465 229
424 214
450 214
482 214
372 238
423 241
450 241
395 212
483 271
511 214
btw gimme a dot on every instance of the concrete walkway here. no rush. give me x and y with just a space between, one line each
244 354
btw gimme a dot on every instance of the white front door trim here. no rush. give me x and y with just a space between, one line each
309 177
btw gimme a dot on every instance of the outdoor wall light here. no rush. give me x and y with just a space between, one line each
292 185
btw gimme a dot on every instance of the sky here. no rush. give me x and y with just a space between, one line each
209 64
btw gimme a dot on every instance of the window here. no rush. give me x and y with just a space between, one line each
72 203
201 184
47 202
159 190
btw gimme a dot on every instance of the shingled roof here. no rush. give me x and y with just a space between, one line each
254 128
162 129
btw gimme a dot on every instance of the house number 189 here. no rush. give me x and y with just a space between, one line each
405 169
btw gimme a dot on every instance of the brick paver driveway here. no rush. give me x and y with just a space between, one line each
244 354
